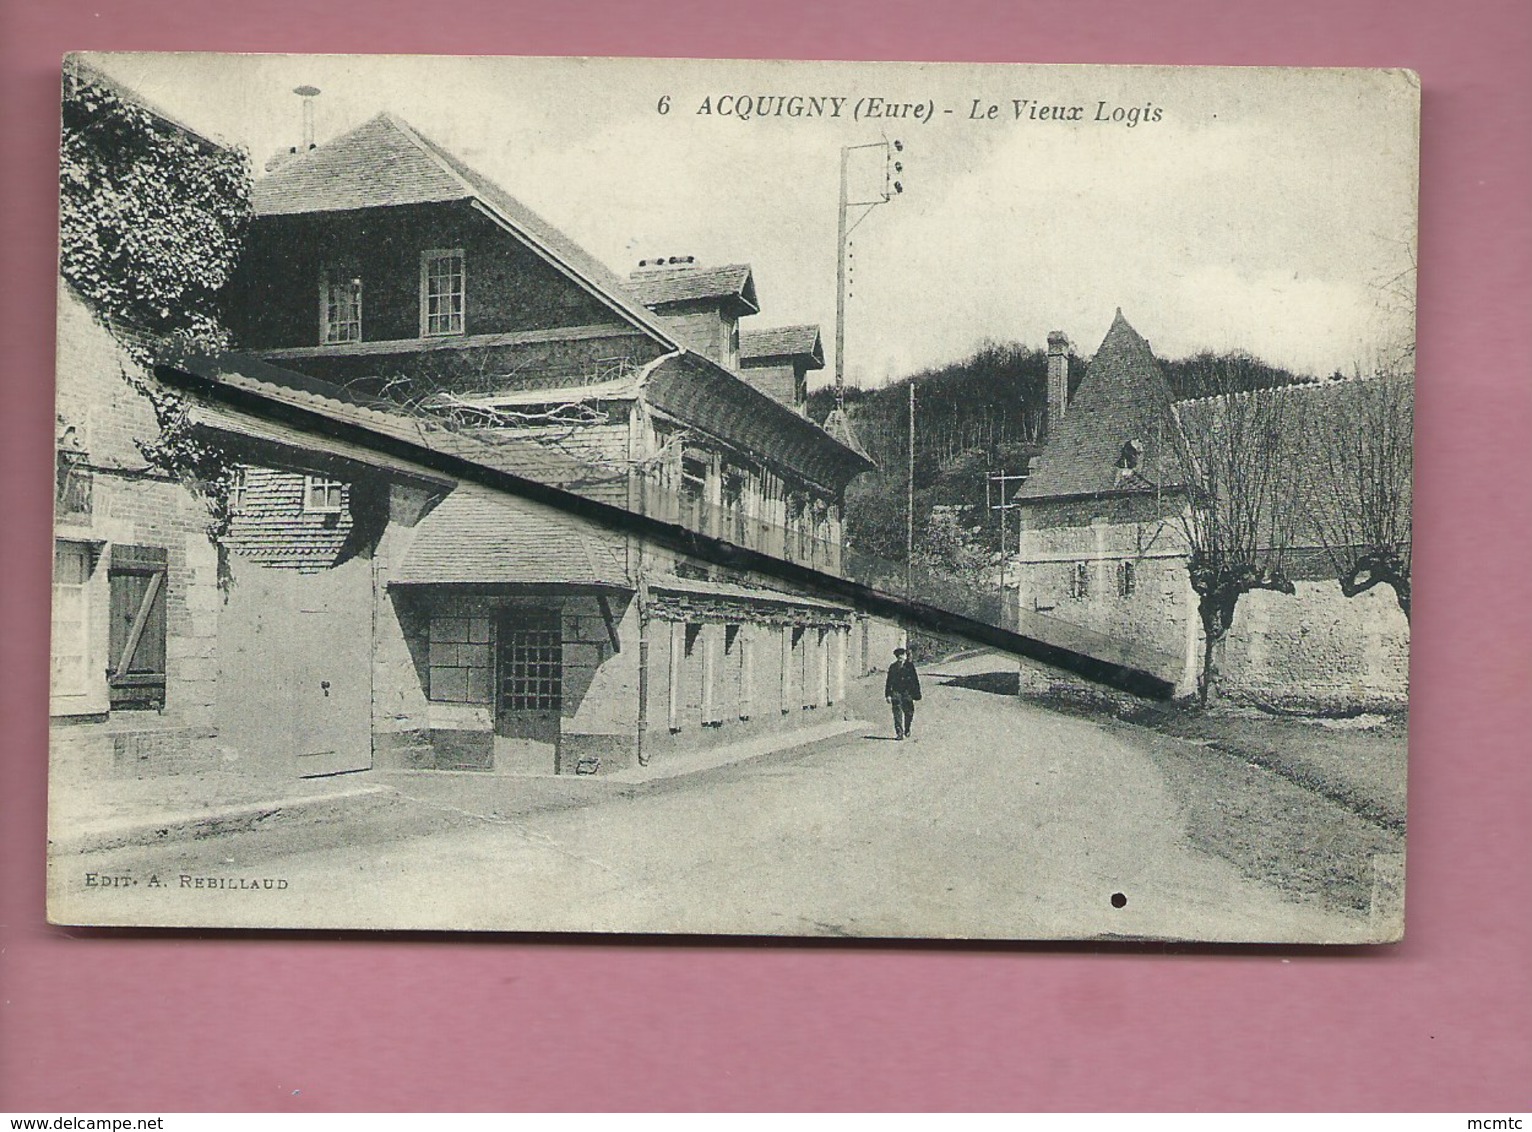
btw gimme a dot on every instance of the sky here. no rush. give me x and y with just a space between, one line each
1250 209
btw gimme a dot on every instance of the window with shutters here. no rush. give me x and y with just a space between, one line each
136 652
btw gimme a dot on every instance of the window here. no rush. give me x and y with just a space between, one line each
322 495
821 534
136 657
799 532
1127 579
340 305
734 508
531 661
237 486
71 625
1079 581
441 293
460 660
693 492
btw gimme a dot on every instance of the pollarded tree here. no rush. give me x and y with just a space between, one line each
1242 508
1361 483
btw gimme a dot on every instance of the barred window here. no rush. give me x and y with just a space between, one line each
441 292
1127 579
532 663
460 659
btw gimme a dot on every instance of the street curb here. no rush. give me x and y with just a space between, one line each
745 751
193 824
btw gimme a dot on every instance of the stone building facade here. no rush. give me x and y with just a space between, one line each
135 587
1103 547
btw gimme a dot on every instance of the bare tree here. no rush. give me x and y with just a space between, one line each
1242 508
1361 490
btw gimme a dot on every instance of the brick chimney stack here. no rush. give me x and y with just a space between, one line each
1058 378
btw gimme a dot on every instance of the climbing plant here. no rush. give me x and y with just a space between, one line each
152 218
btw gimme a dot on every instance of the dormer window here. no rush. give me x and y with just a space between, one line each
1128 459
340 305
441 292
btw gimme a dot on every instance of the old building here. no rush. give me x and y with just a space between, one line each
381 266
1103 548
135 577
778 362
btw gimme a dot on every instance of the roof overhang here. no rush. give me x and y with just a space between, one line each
285 448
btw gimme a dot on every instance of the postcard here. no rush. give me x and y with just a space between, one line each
869 500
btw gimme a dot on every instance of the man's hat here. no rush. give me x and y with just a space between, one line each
899 652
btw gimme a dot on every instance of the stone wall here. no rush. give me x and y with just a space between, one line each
1315 649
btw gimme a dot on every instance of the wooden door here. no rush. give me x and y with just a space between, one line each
332 695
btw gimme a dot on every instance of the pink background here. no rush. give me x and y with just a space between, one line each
97 1022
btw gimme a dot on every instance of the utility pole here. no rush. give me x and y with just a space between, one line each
1000 480
844 227
909 514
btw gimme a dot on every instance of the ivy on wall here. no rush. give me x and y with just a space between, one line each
152 218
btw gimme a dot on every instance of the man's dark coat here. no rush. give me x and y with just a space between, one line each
902 680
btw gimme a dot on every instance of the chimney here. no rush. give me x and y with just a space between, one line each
1058 378
283 156
308 94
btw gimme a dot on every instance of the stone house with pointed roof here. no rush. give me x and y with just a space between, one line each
383 268
1103 547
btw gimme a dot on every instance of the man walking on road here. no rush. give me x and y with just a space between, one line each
901 689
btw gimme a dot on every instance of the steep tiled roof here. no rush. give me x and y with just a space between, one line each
479 536
386 162
1124 399
688 284
783 342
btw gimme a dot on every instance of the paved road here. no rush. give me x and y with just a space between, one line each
998 820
